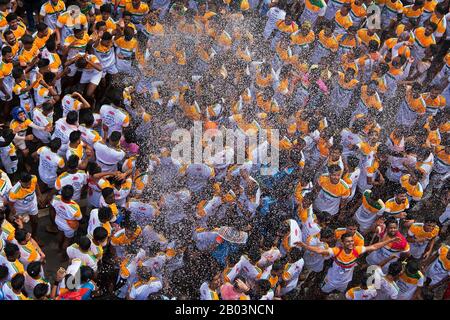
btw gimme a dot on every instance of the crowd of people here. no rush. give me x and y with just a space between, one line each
92 90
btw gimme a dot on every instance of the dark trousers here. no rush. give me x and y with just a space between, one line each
32 6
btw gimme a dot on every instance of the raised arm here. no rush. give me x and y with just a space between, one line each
381 244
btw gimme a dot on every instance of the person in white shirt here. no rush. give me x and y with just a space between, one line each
388 289
82 251
34 276
63 129
5 186
365 291
67 215
49 162
292 271
13 290
410 281
144 286
209 289
73 102
89 135
108 155
43 116
72 176
113 117
274 14
100 218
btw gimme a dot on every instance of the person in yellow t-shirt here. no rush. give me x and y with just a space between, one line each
422 237
345 257
42 35
331 190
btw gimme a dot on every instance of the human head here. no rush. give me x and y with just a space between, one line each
25 180
41 290
67 192
352 226
335 173
72 117
395 269
9 37
11 251
100 235
401 195
106 40
114 138
72 163
347 241
391 226
104 214
27 41
7 54
84 244
21 236
430 223
75 137
86 273
34 269
55 144
108 195
17 282
12 20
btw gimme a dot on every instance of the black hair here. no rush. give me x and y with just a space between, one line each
401 190
34 268
346 235
395 268
17 72
351 222
334 168
40 290
6 49
390 220
4 272
47 106
55 144
27 39
18 281
107 192
429 219
49 77
295 254
105 8
42 63
337 147
100 234
72 162
86 273
72 117
11 17
104 214
20 235
75 136
41 26
67 192
412 266
352 161
93 168
87 118
115 136
25 177
106 36
100 24
50 45
84 243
